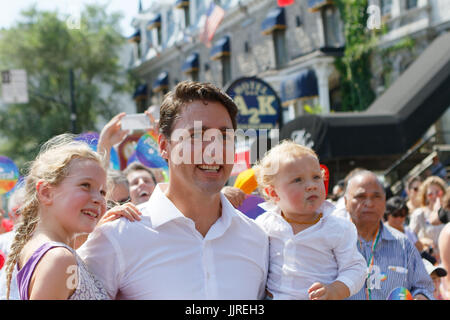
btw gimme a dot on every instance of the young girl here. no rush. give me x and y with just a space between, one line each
313 254
65 196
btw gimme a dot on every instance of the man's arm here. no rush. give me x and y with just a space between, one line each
444 251
419 281
103 257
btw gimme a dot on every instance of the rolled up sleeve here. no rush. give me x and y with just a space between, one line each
351 264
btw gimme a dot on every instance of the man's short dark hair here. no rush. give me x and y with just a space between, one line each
136 166
189 91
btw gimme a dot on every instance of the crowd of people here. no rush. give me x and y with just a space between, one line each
84 231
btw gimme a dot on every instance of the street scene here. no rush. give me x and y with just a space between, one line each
225 150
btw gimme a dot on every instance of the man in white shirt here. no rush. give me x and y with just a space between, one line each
191 243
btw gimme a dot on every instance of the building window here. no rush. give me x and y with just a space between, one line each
184 5
386 6
275 24
155 24
410 4
226 69
221 51
279 42
332 27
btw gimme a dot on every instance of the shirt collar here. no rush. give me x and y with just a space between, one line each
386 234
326 207
161 210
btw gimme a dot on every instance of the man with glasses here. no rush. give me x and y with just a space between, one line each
412 190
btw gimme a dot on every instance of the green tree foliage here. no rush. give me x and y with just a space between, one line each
43 44
355 65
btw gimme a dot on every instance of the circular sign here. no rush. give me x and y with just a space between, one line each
91 138
147 151
259 105
9 174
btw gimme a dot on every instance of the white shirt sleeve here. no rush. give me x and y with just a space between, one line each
102 255
351 264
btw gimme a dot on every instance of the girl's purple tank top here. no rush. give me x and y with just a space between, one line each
24 274
88 287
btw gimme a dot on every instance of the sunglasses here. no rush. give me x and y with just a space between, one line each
436 193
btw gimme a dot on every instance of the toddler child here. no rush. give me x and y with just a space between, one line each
313 254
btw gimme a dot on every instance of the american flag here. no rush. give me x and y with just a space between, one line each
214 17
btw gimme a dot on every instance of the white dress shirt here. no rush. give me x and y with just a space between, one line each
164 257
324 252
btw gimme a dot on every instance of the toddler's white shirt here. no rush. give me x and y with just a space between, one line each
325 252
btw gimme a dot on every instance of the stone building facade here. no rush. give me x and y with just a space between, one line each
292 48
255 38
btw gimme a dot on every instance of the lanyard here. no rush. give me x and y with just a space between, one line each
370 262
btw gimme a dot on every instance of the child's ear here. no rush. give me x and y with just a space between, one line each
44 192
271 192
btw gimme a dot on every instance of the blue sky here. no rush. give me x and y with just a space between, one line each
10 9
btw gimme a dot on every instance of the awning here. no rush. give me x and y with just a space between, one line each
397 119
141 92
162 82
302 85
316 5
155 22
191 63
179 4
135 37
275 20
308 130
221 48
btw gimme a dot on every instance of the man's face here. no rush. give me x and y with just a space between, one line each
201 149
365 200
141 186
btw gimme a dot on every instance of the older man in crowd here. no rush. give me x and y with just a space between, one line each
392 260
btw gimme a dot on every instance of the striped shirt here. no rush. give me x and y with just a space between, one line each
397 263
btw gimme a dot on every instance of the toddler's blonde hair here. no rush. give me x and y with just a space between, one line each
267 168
51 165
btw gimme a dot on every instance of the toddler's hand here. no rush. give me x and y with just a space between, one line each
318 291
334 291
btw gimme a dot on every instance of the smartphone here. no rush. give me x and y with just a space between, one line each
135 122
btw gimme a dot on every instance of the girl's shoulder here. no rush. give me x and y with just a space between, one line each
46 270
